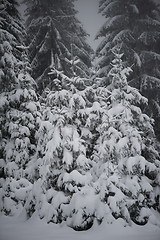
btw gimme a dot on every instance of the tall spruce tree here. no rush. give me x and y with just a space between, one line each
18 113
56 35
128 163
136 25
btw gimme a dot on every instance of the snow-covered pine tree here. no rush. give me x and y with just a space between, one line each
55 32
66 138
127 161
18 113
136 25
61 152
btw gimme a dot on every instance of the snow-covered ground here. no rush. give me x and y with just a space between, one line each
12 228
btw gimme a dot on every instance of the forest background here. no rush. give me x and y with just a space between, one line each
79 141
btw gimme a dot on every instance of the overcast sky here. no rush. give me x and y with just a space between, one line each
91 20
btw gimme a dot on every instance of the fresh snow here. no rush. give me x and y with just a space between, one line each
16 228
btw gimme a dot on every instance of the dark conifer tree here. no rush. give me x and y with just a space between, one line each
136 25
55 33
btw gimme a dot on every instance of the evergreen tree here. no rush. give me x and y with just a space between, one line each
136 25
127 161
56 37
66 139
18 113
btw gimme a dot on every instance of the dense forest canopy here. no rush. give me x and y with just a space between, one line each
80 143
